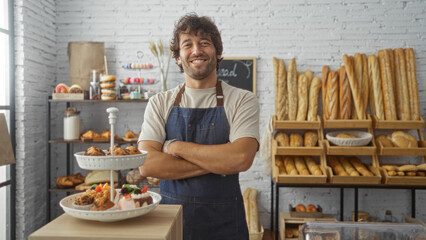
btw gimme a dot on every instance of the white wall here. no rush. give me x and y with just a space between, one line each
316 32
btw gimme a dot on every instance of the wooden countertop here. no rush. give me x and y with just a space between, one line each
165 222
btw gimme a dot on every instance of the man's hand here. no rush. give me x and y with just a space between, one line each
165 147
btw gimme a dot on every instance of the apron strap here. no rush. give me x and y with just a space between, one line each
219 95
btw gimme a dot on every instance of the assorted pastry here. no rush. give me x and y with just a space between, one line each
297 165
97 198
309 139
70 180
348 166
132 197
118 151
410 170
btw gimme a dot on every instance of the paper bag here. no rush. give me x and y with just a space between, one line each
6 150
85 56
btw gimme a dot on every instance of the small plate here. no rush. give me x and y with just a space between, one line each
363 138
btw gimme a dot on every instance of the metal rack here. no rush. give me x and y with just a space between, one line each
276 198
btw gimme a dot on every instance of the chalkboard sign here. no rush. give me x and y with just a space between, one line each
239 72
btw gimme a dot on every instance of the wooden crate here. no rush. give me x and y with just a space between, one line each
356 180
281 178
402 180
397 151
297 151
287 124
398 124
285 219
339 150
345 123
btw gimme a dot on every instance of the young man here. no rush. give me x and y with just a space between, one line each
200 135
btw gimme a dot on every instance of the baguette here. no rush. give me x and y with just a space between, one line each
292 90
254 219
324 77
376 86
333 96
402 97
282 94
300 166
360 167
276 85
302 96
358 70
348 167
345 96
280 164
309 76
311 139
387 87
392 69
289 166
365 82
313 167
337 166
410 62
360 113
246 201
313 99
282 139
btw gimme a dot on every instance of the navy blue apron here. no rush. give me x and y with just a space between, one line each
212 204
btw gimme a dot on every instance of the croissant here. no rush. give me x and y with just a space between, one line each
120 151
132 150
94 151
64 182
129 134
107 134
90 134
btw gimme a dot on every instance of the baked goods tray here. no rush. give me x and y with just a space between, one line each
108 215
402 180
398 124
339 150
356 180
294 213
110 162
288 124
347 123
398 151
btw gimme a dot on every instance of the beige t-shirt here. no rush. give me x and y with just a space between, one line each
241 107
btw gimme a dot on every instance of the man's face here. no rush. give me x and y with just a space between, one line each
197 55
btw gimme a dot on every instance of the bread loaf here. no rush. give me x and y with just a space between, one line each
282 139
410 62
313 99
280 164
309 76
246 200
324 77
392 70
296 140
376 86
289 165
389 167
292 90
387 87
407 167
345 96
333 96
358 71
403 102
300 165
282 92
275 64
302 96
404 140
311 139
336 166
384 141
360 167
365 86
313 167
100 176
254 219
348 167
345 135
360 112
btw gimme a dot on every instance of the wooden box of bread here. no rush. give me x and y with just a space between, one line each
310 211
408 175
297 144
398 124
290 227
298 169
350 170
347 123
296 124
399 143
370 149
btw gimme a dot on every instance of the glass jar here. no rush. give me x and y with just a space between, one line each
71 124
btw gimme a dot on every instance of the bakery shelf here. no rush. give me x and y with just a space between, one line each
397 151
299 151
287 124
339 150
398 124
402 180
285 178
344 123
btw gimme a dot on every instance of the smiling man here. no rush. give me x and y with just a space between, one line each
200 136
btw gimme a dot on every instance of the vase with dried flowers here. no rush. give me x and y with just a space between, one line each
157 50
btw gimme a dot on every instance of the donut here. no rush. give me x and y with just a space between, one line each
107 85
107 78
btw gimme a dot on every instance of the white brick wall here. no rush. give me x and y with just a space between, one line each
316 32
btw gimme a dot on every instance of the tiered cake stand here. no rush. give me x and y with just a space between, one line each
109 163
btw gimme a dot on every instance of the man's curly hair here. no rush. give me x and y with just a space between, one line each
192 23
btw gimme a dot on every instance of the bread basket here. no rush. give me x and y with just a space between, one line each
363 138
